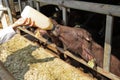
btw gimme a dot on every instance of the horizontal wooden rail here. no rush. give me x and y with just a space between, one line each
87 6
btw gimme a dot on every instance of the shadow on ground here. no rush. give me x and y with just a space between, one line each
17 63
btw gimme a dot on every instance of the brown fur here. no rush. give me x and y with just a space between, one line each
79 41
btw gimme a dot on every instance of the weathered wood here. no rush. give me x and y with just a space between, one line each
9 10
107 45
55 2
9 16
11 5
87 6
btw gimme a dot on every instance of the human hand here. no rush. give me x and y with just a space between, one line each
23 22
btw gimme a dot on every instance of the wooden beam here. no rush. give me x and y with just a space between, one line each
55 2
87 6
9 9
107 45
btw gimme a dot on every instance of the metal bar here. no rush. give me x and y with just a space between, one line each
107 45
9 11
87 6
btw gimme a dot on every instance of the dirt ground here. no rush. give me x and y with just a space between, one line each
27 61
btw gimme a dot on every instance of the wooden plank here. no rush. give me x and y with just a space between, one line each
56 2
87 6
107 45
9 7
